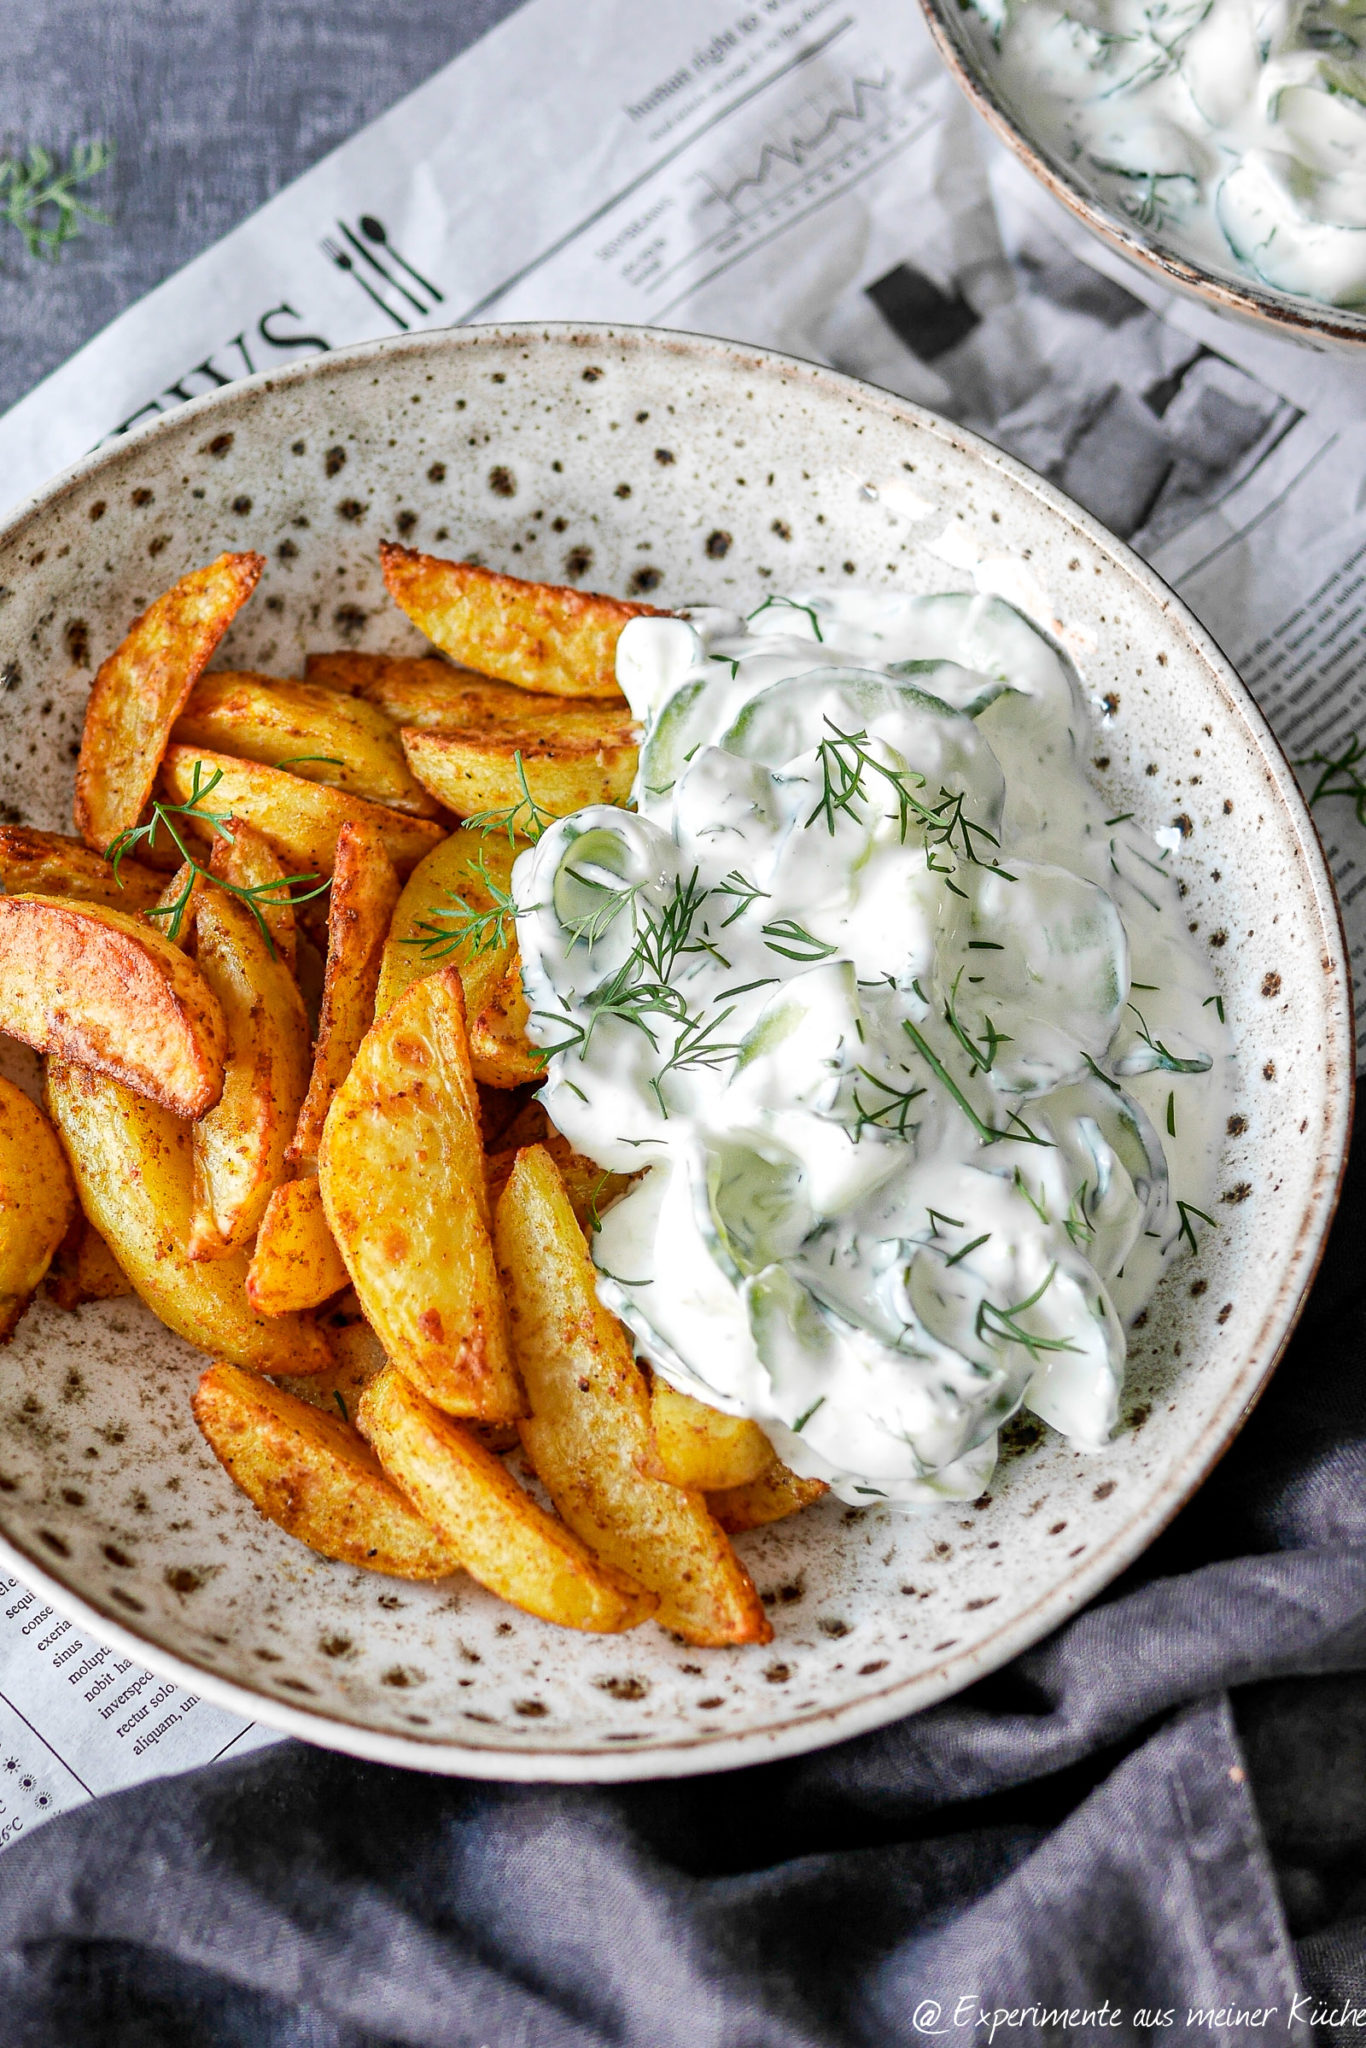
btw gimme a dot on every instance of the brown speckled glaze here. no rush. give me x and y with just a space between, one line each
690 469
963 40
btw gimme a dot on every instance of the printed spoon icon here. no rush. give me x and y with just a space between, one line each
375 231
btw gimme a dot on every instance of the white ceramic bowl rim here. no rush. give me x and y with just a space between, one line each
789 1735
1299 318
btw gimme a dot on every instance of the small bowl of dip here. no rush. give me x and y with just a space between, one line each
1221 148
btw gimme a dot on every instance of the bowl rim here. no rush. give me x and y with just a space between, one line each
1082 1581
1301 320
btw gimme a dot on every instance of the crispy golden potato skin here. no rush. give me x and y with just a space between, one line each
774 1495
363 897
243 856
473 772
240 1144
702 1448
541 636
402 1175
495 1008
50 864
588 1431
295 1263
313 1475
109 990
500 1534
132 1165
435 696
317 733
140 690
37 1202
84 1269
301 820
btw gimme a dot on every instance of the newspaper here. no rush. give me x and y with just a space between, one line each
796 173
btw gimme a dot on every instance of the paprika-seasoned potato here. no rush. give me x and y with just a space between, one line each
364 893
473 772
774 1495
37 1202
240 1144
315 1476
50 864
469 872
588 1431
109 990
315 733
436 696
132 1165
295 1263
84 1269
542 636
700 1447
500 1534
243 857
140 690
591 1191
301 819
402 1174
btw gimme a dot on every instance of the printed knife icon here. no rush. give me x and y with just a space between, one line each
344 262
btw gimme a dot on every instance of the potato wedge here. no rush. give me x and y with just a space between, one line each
431 695
295 1263
500 1051
109 990
500 1534
470 870
177 908
131 1162
317 734
300 819
357 1356
37 1202
473 772
84 1269
591 1191
239 1147
141 689
364 895
242 856
542 636
774 1495
315 1477
49 864
588 1431
402 1174
702 1448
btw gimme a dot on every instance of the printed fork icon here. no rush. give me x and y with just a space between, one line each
347 263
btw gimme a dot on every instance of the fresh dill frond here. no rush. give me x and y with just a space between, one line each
474 928
1004 1326
1164 1060
744 891
1186 1210
38 195
795 942
257 896
526 819
1339 774
891 1115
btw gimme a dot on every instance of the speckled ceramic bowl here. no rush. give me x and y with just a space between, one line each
686 469
964 42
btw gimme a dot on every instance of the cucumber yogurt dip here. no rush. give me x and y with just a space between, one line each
906 1035
1235 130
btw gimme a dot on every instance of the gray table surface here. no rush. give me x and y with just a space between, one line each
211 106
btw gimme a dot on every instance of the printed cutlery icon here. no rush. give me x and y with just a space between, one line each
377 254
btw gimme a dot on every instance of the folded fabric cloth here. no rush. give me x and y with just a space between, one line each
1152 1826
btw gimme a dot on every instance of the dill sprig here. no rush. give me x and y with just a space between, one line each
1164 1060
891 1115
476 927
745 892
846 764
1003 1324
592 925
1339 775
1186 1210
982 1052
526 819
795 942
791 604
257 896
990 1134
38 195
